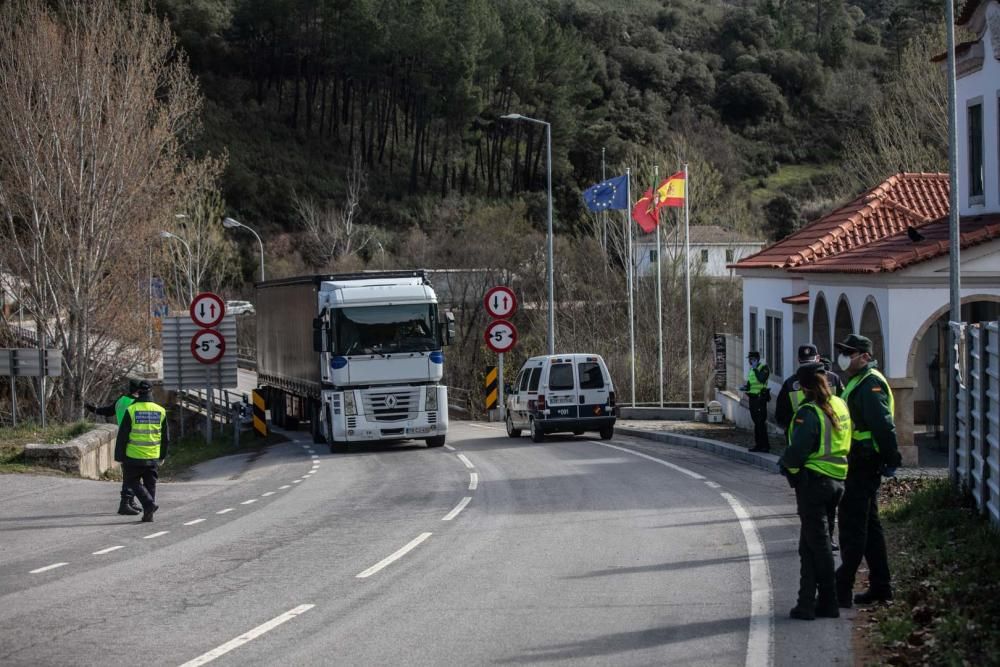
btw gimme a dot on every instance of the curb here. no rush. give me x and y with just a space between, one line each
768 462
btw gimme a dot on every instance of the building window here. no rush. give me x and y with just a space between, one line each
976 178
704 257
753 331
729 255
772 341
652 256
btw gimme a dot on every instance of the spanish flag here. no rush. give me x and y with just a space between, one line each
671 191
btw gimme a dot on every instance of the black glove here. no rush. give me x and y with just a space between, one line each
789 477
89 407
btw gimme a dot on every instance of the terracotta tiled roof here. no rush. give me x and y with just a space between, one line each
901 201
898 251
797 299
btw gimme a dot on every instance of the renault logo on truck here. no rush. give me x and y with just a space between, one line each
390 402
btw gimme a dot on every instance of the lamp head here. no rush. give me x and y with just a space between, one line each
166 235
229 223
512 116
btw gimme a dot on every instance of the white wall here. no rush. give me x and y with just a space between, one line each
766 293
986 84
715 267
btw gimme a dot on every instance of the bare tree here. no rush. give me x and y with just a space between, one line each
333 229
95 102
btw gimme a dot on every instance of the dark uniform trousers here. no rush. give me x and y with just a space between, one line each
141 480
861 533
758 413
816 496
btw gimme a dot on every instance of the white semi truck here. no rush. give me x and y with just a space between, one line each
359 356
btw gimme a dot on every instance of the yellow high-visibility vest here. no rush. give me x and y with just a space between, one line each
755 386
147 430
831 458
865 437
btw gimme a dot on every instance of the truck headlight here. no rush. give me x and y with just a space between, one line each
431 404
350 408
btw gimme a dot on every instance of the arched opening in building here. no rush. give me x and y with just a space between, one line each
821 327
871 328
843 323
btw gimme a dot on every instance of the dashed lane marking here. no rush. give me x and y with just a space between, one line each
248 636
249 502
467 462
196 521
228 509
712 485
473 481
458 508
268 493
47 568
449 448
389 560
107 551
296 481
157 534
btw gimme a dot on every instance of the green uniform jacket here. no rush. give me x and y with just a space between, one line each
869 406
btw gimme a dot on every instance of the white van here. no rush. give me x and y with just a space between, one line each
562 393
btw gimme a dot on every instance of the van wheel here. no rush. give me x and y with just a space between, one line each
577 432
607 432
435 441
536 432
511 431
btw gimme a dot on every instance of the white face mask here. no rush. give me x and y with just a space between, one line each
843 361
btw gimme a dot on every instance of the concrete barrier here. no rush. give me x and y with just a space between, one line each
89 455
768 462
667 413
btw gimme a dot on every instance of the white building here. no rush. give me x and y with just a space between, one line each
857 270
712 247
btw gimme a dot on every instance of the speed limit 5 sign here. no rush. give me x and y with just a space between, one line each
208 346
501 336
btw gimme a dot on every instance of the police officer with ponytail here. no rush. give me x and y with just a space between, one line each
819 439
140 447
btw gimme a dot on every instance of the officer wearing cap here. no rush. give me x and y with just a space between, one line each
791 394
815 463
874 453
128 504
141 446
758 395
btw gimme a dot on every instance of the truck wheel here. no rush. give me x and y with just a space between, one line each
607 432
511 431
316 422
536 432
278 408
435 441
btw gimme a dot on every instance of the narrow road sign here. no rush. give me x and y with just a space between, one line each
501 336
207 310
500 302
208 346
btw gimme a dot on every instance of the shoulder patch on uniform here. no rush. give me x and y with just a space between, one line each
877 389
800 421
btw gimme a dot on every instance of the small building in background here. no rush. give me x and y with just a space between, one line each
713 248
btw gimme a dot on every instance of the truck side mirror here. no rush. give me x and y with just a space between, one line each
449 327
318 335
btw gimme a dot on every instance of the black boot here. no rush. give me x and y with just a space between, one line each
134 504
826 606
802 613
870 596
147 515
125 509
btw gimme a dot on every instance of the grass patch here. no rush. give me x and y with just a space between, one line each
788 177
192 449
13 440
945 558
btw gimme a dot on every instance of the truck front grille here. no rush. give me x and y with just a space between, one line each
391 405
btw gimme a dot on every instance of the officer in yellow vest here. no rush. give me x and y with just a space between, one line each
874 453
128 505
815 462
758 395
140 447
791 395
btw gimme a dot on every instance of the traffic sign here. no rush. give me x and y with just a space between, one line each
500 302
208 346
207 310
501 336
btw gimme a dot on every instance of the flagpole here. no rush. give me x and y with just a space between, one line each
687 274
604 215
628 273
659 284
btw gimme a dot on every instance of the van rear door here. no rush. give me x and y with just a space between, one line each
561 396
593 387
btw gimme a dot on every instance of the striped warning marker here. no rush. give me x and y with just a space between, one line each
259 417
492 388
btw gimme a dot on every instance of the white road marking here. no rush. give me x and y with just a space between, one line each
394 557
55 565
196 521
296 481
152 535
449 448
458 508
689 473
484 428
228 509
269 493
473 480
315 456
107 551
467 462
712 485
247 637
760 642
249 502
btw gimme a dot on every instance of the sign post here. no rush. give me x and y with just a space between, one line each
207 345
501 304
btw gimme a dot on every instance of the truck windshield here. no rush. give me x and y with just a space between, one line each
386 329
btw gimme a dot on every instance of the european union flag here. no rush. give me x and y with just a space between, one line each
611 194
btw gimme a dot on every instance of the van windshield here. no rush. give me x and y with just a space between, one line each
561 377
386 329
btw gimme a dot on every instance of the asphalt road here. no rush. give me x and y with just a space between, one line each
494 551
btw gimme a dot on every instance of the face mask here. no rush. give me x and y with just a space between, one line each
754 362
843 361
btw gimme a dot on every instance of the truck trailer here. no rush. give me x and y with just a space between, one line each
359 356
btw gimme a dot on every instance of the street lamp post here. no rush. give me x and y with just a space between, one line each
548 258
230 223
170 235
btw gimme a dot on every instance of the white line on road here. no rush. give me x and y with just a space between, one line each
107 551
315 456
394 557
449 448
712 485
196 521
296 481
467 462
249 502
152 535
759 642
228 509
458 508
55 565
268 493
689 473
473 480
247 637
483 427
284 486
